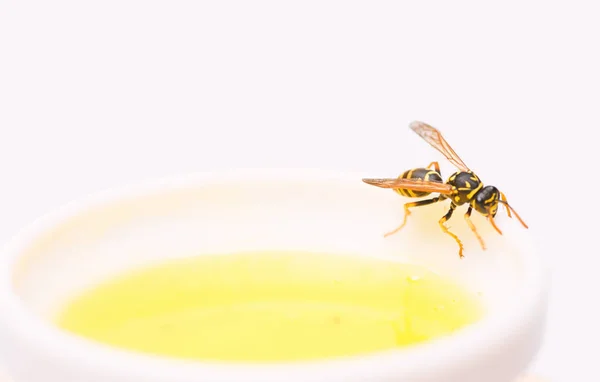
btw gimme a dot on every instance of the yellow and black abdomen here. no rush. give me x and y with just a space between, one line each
422 174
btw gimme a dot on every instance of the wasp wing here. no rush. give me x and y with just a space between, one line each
410 184
432 136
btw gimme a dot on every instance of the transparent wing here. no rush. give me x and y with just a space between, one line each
432 136
410 184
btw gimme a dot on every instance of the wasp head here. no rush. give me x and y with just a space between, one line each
486 201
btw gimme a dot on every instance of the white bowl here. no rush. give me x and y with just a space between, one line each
89 240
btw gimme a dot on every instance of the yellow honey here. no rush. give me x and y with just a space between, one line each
270 306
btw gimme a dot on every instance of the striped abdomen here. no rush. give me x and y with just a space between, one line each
419 173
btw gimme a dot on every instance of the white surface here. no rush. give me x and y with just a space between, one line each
253 210
96 94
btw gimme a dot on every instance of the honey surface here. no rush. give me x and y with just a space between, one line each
270 306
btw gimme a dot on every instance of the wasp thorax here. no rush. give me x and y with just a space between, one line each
486 201
466 185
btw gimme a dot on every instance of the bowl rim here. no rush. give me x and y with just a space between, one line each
468 344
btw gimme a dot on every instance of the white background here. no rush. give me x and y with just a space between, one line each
98 94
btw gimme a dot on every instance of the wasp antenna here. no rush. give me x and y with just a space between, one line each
503 199
514 212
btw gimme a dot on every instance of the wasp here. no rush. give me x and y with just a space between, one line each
462 187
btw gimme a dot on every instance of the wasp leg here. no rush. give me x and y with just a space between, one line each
508 211
443 220
472 226
436 167
407 211
503 198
